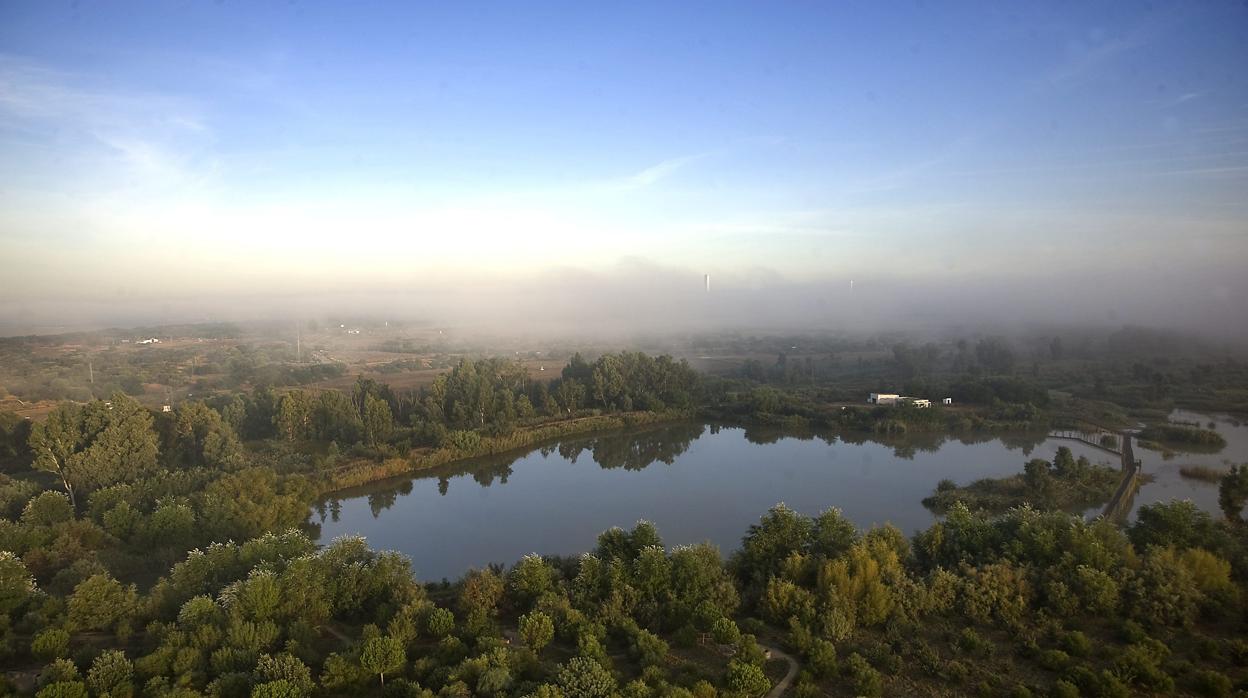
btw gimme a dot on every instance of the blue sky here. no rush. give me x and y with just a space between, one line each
238 144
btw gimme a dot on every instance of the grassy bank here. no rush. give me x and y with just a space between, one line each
362 472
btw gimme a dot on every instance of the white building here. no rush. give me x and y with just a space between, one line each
947 401
919 402
883 398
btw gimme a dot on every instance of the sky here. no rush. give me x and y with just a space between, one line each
188 153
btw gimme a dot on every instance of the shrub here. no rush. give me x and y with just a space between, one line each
882 657
648 648
63 689
440 623
1113 687
1212 683
998 591
1053 660
865 679
973 643
746 679
956 671
1133 632
50 644
725 631
1064 689
1141 663
822 658
1076 643
805 688
927 658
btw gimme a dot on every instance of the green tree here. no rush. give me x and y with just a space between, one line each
111 674
95 445
1039 480
293 417
725 631
335 418
780 533
50 644
586 678
746 679
382 655
536 630
203 438
378 421
63 689
280 688
479 595
648 648
16 583
47 508
285 667
244 504
833 534
101 603
1233 493
1176 523
440 623
530 579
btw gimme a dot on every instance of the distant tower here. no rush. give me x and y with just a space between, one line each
707 279
851 285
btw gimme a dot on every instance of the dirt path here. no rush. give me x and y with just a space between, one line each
783 685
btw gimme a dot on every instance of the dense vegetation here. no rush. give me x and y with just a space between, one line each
1015 604
1067 483
150 553
1173 434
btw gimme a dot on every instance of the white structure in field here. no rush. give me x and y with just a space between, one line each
947 401
894 399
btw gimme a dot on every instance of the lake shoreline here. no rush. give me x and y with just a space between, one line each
363 473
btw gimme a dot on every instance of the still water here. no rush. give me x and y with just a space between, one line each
697 483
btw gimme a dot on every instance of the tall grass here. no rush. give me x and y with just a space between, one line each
1202 472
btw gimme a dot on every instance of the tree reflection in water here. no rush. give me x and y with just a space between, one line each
636 450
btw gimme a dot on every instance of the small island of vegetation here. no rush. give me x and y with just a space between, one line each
1068 483
1182 437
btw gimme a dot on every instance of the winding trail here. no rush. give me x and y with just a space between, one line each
782 685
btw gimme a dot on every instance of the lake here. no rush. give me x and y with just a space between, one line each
697 483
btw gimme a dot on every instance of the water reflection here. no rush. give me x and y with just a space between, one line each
636 450
627 450
696 482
